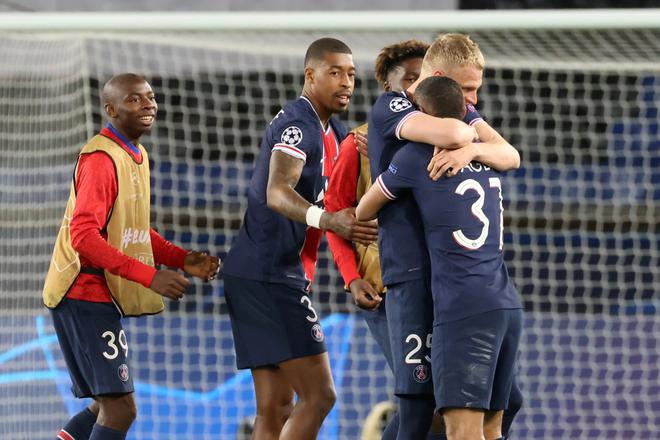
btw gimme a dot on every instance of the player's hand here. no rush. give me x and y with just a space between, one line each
362 143
346 225
450 162
364 294
201 265
169 284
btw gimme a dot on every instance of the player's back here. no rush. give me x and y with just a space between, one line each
462 218
268 245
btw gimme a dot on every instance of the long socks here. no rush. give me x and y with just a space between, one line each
79 427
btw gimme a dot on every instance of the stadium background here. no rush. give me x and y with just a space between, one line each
580 216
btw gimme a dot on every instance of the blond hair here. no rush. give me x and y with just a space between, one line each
452 50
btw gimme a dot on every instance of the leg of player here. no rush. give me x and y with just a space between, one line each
274 402
117 413
80 426
416 413
493 425
515 403
312 381
464 423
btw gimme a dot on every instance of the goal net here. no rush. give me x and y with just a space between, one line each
581 228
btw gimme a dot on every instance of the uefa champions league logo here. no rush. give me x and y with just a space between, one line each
292 136
399 104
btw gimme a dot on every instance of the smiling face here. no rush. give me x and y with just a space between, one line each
130 105
329 83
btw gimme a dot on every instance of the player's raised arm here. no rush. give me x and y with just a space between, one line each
445 132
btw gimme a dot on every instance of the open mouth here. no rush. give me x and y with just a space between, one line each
147 119
344 99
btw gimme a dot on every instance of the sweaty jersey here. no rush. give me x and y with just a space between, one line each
270 247
462 219
403 255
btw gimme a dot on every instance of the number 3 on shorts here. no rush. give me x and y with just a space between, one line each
114 350
308 302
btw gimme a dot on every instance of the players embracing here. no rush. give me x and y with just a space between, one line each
395 120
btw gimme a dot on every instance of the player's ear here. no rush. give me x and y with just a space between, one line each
439 73
387 86
110 110
309 74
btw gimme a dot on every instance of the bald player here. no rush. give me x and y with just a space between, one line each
103 264
270 267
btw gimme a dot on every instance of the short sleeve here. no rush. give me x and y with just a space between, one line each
472 116
401 174
390 113
292 138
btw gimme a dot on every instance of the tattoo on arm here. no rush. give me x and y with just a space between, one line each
283 175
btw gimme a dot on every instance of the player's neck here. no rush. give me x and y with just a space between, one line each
130 137
323 114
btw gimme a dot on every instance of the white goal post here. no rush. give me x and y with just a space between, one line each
576 91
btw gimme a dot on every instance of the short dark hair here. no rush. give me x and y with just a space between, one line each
320 47
393 55
441 96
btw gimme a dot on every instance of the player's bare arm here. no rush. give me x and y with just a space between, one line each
493 150
370 203
283 175
448 133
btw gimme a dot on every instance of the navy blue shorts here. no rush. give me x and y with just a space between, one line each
94 346
271 322
410 321
474 360
377 322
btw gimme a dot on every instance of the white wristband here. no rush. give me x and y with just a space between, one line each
313 216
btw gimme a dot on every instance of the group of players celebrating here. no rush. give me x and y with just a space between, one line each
434 292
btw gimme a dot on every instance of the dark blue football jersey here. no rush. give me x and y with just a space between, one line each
268 246
462 218
403 255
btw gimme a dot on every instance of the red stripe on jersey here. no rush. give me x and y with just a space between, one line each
63 435
386 192
309 252
330 151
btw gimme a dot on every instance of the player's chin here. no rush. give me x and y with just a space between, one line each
340 106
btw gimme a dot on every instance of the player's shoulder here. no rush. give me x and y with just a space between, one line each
413 155
393 102
296 125
298 113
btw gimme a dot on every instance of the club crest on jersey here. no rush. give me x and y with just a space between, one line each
292 136
317 333
399 104
123 372
421 373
